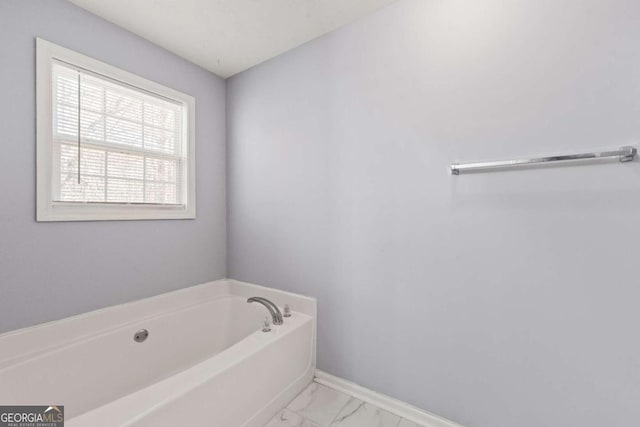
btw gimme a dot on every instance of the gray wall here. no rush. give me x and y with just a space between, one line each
54 270
497 300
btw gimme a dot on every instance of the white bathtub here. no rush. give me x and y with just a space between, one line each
206 361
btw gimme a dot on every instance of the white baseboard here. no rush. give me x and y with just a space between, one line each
387 403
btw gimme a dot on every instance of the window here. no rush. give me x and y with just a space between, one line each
111 145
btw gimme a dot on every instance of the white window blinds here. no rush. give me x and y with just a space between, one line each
114 143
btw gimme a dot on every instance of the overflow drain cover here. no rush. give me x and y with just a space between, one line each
141 335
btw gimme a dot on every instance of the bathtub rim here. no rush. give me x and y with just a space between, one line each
97 322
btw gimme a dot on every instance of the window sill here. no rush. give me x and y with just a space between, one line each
117 212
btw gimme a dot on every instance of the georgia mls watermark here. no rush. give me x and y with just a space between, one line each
32 416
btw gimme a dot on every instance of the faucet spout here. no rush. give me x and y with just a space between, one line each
276 315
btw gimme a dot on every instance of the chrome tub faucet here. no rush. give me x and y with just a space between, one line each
276 315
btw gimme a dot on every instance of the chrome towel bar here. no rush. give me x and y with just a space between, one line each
624 154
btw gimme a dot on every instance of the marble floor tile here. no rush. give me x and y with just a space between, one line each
360 414
319 404
287 418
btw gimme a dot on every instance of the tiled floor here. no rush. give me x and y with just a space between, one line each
320 406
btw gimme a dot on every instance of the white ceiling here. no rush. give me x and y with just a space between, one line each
229 36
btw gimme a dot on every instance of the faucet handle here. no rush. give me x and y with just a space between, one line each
287 311
266 325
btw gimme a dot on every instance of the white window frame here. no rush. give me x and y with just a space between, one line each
47 208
